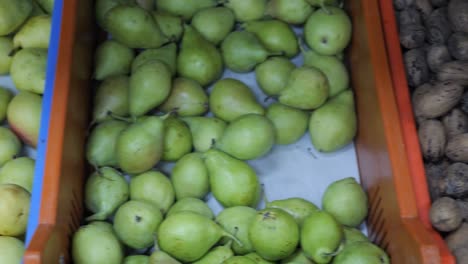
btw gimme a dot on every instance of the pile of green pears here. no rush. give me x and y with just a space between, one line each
161 99
25 27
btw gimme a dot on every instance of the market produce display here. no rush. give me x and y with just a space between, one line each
434 38
162 100
25 27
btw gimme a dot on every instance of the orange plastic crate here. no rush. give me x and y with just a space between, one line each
393 222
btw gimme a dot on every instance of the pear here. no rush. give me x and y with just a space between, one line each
246 10
14 210
136 223
6 47
153 187
111 59
321 3
5 98
35 33
170 25
177 139
182 8
297 257
94 244
274 234
102 142
188 236
166 54
257 259
10 145
298 208
214 23
140 146
273 74
328 30
361 252
205 131
248 137
321 235
47 5
105 190
334 125
136 259
239 260
187 98
355 211
11 250
198 58
101 7
233 182
332 67
236 220
217 255
290 123
24 117
158 257
192 205
134 27
242 51
13 14
307 89
190 177
352 235
19 171
290 11
275 35
150 85
111 97
231 98
28 70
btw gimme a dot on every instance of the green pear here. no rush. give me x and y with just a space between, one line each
111 97
188 236
150 85
335 70
136 259
187 98
352 235
14 209
136 223
231 98
24 117
290 123
35 33
236 220
153 187
19 171
166 54
6 47
239 260
242 51
102 142
297 257
298 208
307 89
246 10
111 59
28 70
5 98
101 7
159 257
233 182
190 177
275 35
134 27
205 131
217 255
333 125
273 74
321 3
10 145
47 5
257 259
248 137
290 11
11 250
140 145
170 25
274 234
177 139
321 236
328 30
13 14
182 8
355 211
361 252
105 190
214 23
198 58
191 204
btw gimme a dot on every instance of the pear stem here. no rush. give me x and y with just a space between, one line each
99 216
226 234
13 51
121 118
325 9
265 199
